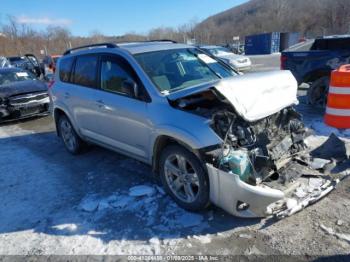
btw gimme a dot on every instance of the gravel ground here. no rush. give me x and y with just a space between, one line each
54 203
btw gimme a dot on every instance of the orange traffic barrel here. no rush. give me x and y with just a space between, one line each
338 102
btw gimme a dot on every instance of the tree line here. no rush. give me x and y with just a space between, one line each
311 18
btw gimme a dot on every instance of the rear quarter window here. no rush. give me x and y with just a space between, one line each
65 69
85 72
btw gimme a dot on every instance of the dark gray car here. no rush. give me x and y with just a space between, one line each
21 95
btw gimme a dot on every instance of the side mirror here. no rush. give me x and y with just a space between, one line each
130 88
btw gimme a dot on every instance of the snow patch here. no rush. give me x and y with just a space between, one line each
89 204
154 241
203 239
66 227
121 201
190 219
142 190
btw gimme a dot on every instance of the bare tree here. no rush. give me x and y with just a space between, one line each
309 17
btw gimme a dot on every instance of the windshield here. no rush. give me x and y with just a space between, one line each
220 51
176 69
8 77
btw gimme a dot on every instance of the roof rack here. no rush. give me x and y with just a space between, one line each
107 45
162 40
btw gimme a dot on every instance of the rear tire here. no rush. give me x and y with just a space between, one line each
318 91
184 178
70 138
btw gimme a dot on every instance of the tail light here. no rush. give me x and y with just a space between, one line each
50 84
283 62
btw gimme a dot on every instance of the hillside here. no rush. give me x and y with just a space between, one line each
310 17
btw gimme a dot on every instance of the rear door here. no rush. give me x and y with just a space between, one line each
122 119
80 95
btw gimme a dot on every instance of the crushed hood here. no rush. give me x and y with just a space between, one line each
258 95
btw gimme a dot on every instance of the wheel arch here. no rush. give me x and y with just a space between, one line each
162 142
57 113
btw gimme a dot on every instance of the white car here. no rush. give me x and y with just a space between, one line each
239 62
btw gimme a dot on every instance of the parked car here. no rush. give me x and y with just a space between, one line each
315 66
21 95
28 62
210 135
239 62
235 48
4 62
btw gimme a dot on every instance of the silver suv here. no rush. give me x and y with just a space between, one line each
211 135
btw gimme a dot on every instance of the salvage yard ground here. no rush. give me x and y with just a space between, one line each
105 203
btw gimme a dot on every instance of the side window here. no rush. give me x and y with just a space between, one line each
114 72
85 72
66 69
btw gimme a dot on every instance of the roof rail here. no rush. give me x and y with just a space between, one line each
107 45
162 40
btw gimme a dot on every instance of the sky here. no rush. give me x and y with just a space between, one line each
111 17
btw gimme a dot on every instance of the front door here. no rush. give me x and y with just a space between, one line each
123 121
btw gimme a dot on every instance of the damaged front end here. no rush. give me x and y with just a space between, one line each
24 105
264 166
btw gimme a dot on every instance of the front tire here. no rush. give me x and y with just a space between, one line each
184 178
71 140
318 91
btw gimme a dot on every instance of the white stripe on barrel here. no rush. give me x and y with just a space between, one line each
337 112
339 90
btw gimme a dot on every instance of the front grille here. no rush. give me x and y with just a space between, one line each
22 99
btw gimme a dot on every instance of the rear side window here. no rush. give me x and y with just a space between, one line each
66 69
85 72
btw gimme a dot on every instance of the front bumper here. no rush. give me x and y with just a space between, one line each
229 192
24 110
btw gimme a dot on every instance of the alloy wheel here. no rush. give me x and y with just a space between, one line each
181 178
67 134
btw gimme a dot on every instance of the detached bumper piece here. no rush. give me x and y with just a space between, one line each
292 205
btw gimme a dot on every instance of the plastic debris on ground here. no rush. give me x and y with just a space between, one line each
331 231
318 163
